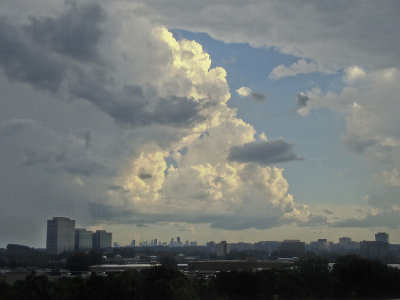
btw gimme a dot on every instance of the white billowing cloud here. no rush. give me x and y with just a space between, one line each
369 109
244 91
369 104
247 92
130 125
299 67
354 73
201 184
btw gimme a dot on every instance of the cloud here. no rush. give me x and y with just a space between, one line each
385 218
266 152
41 52
245 92
133 127
258 97
354 73
281 25
302 100
299 67
33 144
358 143
389 177
116 188
145 176
76 33
368 102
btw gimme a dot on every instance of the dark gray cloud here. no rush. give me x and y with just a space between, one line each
40 53
85 167
265 152
145 176
386 218
141 225
302 100
35 145
130 107
342 27
14 127
76 33
314 220
258 97
24 60
359 144
117 188
34 156
238 222
88 139
36 52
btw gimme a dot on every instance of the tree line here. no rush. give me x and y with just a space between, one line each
350 277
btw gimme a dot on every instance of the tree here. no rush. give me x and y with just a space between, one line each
79 261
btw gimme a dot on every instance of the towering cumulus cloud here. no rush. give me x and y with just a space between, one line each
132 124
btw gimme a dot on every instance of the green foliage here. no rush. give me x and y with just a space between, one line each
23 256
169 261
95 257
79 261
361 277
351 276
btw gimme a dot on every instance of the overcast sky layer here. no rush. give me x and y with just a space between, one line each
209 120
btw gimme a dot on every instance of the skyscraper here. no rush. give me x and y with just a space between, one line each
222 249
382 237
60 235
83 239
102 239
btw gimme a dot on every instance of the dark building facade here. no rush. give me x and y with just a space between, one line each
60 235
83 239
102 239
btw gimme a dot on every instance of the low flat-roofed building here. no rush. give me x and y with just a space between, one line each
374 249
120 268
230 265
290 248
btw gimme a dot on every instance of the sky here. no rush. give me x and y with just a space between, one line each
209 120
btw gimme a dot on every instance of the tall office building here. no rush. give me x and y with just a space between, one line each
222 249
83 239
102 239
382 237
60 235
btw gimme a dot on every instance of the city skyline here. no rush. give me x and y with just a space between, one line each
219 121
61 229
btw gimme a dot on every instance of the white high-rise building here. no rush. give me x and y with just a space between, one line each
60 235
